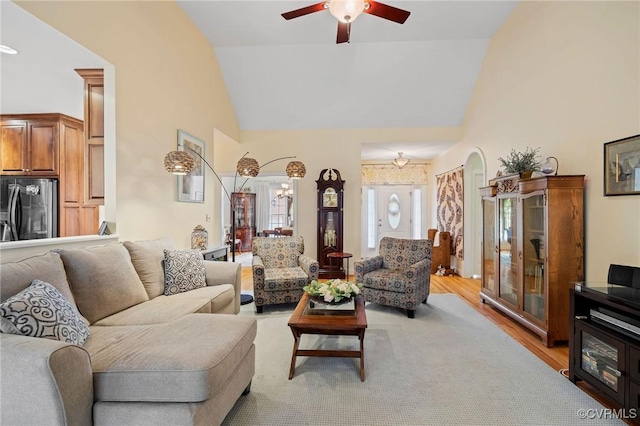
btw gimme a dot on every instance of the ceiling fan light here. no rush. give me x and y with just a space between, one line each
400 162
346 10
248 167
178 163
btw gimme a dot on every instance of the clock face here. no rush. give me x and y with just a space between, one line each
330 198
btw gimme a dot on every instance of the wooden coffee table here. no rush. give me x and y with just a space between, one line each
332 322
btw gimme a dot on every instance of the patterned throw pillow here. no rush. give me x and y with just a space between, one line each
41 311
183 271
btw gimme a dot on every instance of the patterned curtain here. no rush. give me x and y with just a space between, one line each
450 197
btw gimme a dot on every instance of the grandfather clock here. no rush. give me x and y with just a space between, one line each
330 222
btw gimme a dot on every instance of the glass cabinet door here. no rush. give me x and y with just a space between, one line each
489 245
602 358
507 249
534 255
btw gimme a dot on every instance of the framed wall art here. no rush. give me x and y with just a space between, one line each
191 186
622 166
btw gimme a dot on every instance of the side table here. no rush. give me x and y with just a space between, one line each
215 253
341 255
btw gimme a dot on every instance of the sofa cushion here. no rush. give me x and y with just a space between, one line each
16 276
42 311
187 360
160 310
148 260
400 253
183 271
280 252
386 279
103 280
280 279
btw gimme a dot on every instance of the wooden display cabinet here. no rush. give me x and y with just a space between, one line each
533 248
330 222
244 204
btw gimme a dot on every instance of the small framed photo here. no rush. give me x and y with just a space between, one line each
622 166
191 186
103 230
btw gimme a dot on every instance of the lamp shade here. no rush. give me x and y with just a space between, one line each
248 167
296 170
178 163
346 10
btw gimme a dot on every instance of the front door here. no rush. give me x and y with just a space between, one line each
388 214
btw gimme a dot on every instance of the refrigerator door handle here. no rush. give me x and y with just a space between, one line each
15 212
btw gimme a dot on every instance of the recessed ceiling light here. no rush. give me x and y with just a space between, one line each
8 50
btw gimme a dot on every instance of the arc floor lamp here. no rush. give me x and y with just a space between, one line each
182 163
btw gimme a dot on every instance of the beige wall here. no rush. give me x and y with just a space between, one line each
322 149
565 77
167 78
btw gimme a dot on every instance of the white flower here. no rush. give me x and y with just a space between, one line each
328 297
355 289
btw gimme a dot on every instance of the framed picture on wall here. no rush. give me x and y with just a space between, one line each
191 186
622 166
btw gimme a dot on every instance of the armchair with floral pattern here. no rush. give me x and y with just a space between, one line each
280 270
399 276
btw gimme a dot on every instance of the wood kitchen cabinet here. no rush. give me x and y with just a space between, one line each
51 145
94 134
533 248
30 145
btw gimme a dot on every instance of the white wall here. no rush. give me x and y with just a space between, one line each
565 77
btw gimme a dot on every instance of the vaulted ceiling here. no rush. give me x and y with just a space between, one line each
292 75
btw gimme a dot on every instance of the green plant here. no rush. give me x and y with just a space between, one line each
519 162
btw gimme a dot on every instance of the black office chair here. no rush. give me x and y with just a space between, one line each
624 275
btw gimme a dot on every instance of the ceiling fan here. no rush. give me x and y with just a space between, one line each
346 11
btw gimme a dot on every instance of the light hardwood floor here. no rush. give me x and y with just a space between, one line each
468 289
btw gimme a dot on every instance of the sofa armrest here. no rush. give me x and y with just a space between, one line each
44 381
310 266
364 266
217 273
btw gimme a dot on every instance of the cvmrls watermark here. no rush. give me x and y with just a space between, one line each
607 414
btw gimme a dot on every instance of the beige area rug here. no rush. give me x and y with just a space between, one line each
448 366
243 258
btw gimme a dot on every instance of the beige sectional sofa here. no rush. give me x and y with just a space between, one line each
149 359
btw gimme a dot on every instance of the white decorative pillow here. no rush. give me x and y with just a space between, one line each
42 311
183 271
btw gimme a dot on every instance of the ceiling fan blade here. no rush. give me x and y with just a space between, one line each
304 11
344 30
387 12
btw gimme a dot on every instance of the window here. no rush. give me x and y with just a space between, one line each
371 218
416 220
278 212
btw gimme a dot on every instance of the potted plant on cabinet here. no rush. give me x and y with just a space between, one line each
523 163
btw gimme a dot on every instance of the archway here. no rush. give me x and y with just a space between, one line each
474 178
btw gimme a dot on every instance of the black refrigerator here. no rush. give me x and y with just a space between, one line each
28 208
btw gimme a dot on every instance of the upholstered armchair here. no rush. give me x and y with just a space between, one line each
280 270
399 275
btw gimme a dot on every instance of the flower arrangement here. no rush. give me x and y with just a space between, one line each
333 291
